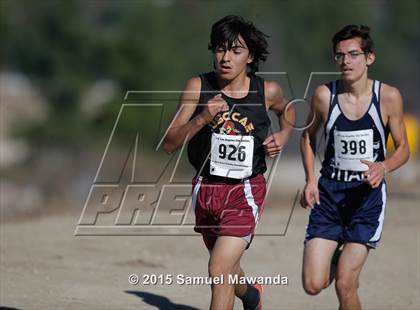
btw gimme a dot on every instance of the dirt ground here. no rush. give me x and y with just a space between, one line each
44 266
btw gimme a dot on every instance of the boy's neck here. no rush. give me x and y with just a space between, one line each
238 87
357 88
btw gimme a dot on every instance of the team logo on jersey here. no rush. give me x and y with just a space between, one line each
232 123
228 128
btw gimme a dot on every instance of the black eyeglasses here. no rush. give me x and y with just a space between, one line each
353 55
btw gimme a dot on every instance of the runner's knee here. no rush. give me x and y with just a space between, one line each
216 270
237 269
313 287
345 286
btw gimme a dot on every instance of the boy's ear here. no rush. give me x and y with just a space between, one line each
250 58
370 59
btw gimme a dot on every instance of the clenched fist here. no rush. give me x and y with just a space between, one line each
214 106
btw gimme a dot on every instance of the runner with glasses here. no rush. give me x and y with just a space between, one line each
348 201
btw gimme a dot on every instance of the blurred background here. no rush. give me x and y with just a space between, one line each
66 68
69 69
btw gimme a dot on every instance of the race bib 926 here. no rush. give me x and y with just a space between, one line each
231 156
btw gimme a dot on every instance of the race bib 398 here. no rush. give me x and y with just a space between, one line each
351 147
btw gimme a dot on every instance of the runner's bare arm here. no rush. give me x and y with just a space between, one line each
319 112
276 102
393 105
183 128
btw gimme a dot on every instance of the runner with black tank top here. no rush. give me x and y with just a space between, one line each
348 201
246 117
223 118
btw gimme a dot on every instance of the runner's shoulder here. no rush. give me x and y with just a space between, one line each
390 100
321 98
272 89
322 93
192 89
389 94
273 94
193 84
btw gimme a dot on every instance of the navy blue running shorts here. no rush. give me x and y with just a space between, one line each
348 212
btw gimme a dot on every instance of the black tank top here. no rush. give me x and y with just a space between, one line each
247 116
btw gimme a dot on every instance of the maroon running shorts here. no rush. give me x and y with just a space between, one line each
226 209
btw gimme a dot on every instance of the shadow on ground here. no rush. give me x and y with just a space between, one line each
159 301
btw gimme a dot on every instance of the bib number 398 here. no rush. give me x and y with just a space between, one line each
231 156
351 147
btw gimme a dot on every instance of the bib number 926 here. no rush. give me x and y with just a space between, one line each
232 152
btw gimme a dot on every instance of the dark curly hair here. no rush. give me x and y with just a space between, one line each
228 29
354 31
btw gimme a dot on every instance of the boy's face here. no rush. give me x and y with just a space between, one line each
230 63
351 60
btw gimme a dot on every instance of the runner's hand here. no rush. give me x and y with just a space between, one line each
310 195
375 173
213 107
273 144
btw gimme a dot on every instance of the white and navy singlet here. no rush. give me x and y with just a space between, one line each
349 141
